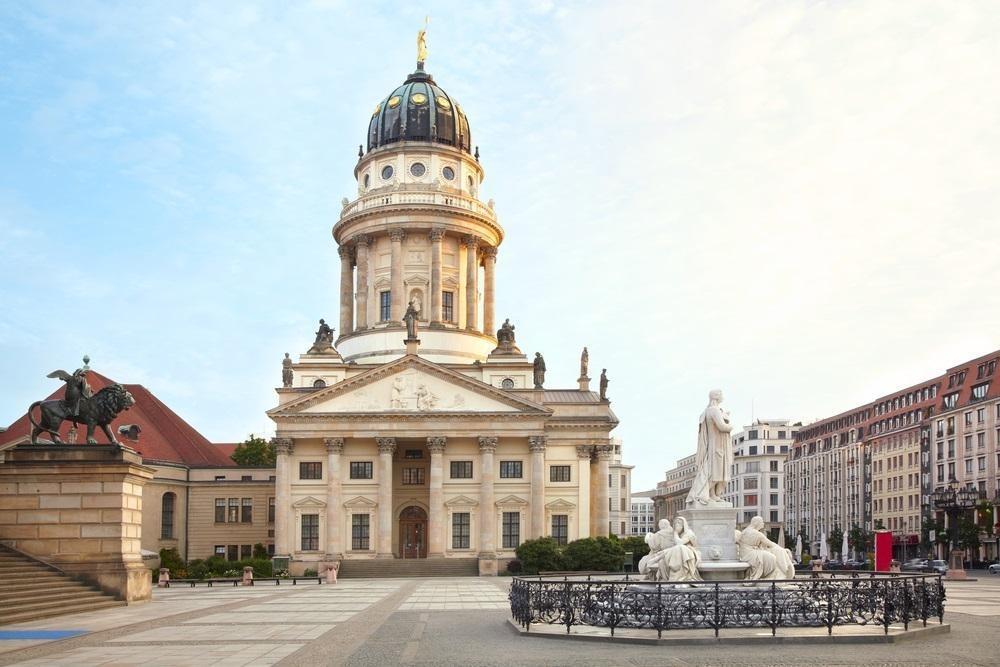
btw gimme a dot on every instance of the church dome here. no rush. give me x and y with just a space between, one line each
419 110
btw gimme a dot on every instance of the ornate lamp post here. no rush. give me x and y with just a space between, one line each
954 502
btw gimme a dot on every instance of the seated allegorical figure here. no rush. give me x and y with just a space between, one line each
767 560
673 553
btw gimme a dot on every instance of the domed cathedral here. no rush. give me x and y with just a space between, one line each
421 430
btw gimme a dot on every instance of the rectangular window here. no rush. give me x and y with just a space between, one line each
233 515
461 469
460 522
624 505
774 482
774 499
413 476
511 530
982 463
773 517
270 549
750 483
359 532
448 306
220 510
413 454
968 466
773 466
384 306
510 469
245 551
624 482
310 532
968 419
750 499
220 549
246 478
968 442
560 528
559 473
310 470
233 552
979 391
270 510
361 469
246 513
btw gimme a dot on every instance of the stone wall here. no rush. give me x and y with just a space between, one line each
78 508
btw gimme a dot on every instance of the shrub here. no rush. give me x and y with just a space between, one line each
259 551
515 566
637 545
594 553
171 559
309 573
539 555
232 573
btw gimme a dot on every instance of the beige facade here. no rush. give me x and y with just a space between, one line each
671 492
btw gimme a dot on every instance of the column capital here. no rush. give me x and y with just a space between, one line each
436 234
361 239
397 234
488 252
386 445
604 452
283 446
470 241
334 445
436 444
344 251
487 443
536 443
584 451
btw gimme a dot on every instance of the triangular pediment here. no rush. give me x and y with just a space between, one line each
360 502
309 502
410 385
560 505
462 501
511 501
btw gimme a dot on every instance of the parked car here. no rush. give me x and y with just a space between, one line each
939 566
855 565
833 564
916 565
994 568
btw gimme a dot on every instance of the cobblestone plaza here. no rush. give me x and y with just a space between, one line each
460 621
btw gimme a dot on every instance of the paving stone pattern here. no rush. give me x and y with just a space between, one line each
364 623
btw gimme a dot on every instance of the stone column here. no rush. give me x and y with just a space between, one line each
487 509
583 514
396 275
472 283
602 492
361 298
489 266
284 532
536 444
346 291
334 538
386 448
436 236
435 518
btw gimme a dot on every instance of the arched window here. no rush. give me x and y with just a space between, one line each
320 383
167 516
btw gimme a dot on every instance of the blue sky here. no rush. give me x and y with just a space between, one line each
796 202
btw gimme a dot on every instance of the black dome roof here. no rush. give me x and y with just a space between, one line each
419 111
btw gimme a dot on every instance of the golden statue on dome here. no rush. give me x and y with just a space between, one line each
422 44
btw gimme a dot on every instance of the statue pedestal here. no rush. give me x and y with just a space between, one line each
411 345
715 528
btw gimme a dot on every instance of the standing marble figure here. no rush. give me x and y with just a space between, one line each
538 366
714 459
410 318
604 384
584 363
286 371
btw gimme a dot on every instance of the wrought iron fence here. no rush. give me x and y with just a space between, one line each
824 599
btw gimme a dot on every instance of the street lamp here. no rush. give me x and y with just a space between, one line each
954 501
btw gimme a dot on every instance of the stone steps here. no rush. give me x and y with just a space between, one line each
30 590
417 567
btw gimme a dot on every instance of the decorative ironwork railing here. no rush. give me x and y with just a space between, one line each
429 198
824 599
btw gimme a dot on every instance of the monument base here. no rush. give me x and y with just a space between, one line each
716 531
723 570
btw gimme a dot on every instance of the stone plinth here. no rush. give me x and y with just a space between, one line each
79 508
715 529
487 565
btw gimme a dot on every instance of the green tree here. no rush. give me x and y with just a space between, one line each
928 527
857 539
968 535
637 545
835 540
540 555
594 553
254 452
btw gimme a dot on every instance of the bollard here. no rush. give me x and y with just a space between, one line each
248 575
894 565
331 573
164 578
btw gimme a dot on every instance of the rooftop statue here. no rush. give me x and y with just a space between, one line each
422 45
714 458
324 338
584 363
80 406
505 334
286 371
604 384
538 366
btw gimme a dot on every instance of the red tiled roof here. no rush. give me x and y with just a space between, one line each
164 436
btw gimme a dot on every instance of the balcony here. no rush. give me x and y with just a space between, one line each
418 198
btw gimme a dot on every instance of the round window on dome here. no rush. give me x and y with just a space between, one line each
448 173
367 180
443 102
418 169
507 383
386 172
394 101
418 98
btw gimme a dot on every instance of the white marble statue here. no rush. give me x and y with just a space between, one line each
714 459
673 553
767 560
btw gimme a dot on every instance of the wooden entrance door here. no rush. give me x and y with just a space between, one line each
413 533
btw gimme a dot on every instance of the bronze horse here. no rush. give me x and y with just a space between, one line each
97 410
